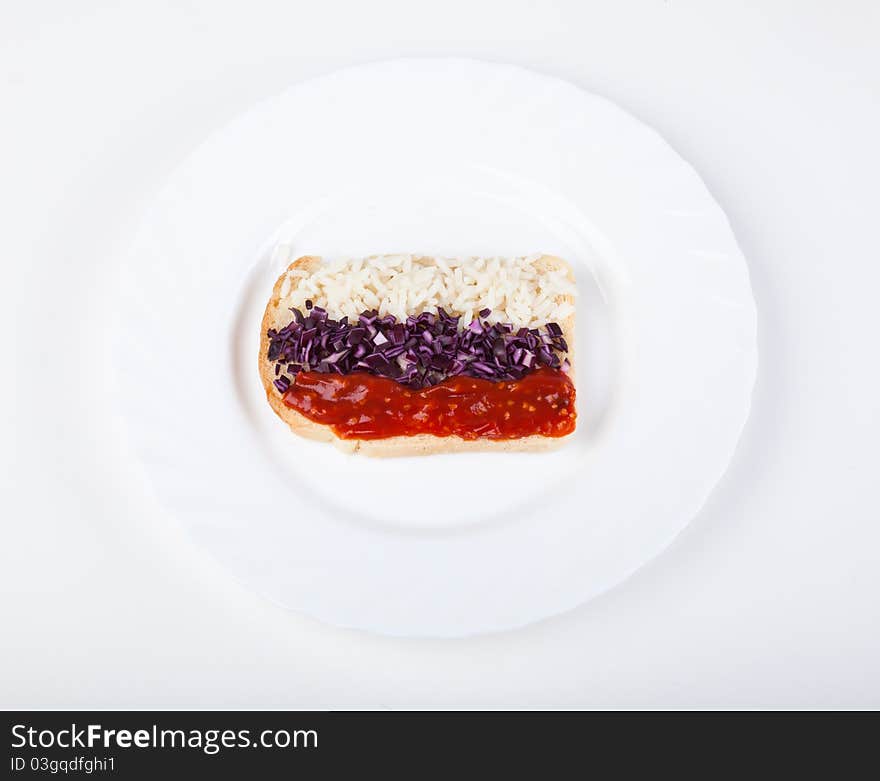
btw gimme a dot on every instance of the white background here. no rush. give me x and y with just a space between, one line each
770 598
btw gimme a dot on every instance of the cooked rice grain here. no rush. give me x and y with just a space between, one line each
515 289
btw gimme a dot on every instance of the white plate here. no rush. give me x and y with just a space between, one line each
443 157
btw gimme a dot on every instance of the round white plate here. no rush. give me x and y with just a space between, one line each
439 157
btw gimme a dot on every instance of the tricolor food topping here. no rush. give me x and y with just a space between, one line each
399 346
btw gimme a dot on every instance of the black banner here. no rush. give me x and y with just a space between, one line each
107 744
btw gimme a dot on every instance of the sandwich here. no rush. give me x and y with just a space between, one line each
411 355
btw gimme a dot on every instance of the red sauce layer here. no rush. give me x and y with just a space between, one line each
361 406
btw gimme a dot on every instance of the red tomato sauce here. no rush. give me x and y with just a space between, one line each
361 406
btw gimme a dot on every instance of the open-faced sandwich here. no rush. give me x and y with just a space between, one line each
405 355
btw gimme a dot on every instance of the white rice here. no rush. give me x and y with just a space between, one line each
513 288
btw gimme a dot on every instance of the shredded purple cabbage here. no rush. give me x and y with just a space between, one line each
420 352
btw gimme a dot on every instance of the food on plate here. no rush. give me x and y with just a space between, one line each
408 354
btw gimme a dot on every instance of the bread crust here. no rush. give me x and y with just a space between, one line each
277 316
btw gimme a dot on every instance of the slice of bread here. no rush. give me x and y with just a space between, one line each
277 315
